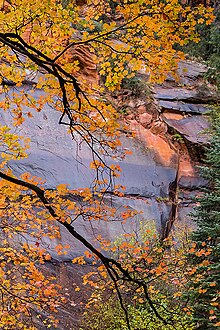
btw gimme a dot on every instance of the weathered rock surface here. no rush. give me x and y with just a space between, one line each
194 128
145 119
181 107
188 95
192 182
190 71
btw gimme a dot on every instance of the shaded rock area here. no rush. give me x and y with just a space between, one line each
193 95
181 107
194 128
189 72
160 176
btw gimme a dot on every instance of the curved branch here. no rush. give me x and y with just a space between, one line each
111 265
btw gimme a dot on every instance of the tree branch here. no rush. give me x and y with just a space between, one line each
110 264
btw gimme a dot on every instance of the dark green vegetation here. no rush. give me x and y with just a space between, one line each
110 316
207 216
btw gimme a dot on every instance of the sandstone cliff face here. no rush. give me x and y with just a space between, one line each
160 176
172 124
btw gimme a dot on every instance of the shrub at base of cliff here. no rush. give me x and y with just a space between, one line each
108 315
205 294
163 268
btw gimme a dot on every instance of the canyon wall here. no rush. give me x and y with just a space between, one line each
160 176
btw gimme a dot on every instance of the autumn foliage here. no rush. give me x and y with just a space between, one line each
49 40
